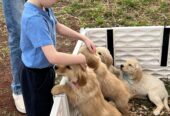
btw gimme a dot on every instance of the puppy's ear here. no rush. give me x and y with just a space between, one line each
108 59
81 79
138 73
137 66
92 61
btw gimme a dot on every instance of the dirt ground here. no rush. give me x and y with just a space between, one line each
7 108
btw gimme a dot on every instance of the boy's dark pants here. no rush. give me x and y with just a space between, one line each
36 88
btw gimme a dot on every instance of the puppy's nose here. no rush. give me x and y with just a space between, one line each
56 67
121 66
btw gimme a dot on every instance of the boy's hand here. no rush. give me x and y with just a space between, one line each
83 64
83 58
90 45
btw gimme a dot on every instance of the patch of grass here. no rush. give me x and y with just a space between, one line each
99 20
4 52
72 8
95 13
164 7
130 4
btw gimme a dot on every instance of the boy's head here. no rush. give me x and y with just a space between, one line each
43 3
47 3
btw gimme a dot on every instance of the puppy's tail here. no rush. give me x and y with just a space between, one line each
165 101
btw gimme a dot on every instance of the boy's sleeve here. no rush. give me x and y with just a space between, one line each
37 31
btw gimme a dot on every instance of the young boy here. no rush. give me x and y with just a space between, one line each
38 40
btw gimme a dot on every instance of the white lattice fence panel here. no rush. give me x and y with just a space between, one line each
144 43
98 35
135 37
146 56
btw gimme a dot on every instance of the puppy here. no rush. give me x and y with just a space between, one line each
142 84
84 92
107 59
112 88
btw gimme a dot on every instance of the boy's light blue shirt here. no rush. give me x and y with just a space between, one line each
38 28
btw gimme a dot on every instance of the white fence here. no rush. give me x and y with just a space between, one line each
150 45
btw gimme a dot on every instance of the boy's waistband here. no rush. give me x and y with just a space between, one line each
39 69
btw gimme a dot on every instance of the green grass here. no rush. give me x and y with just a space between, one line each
95 13
4 52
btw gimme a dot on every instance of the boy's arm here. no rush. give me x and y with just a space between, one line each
66 31
55 57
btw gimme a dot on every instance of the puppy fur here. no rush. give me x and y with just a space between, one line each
83 91
142 84
107 59
112 88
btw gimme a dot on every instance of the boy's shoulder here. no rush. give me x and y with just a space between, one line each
31 10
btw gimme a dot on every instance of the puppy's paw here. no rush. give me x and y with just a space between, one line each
56 90
156 112
115 71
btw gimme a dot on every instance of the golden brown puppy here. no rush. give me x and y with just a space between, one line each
112 88
107 59
83 91
142 84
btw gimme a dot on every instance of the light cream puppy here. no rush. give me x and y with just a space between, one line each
107 59
142 84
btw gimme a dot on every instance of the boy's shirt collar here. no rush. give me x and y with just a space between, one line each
43 12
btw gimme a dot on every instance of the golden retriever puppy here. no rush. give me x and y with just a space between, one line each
142 84
83 91
107 59
112 88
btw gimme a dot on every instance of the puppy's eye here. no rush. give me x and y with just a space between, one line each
130 65
99 53
68 67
